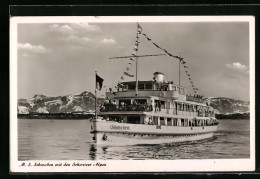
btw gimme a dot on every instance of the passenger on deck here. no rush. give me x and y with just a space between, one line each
159 106
156 107
103 108
150 121
151 106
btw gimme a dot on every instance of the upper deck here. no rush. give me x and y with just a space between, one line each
157 99
150 88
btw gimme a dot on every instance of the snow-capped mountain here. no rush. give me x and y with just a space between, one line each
224 105
83 102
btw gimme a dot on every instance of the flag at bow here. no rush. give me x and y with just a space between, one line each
99 82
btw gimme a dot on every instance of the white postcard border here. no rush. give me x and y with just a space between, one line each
201 165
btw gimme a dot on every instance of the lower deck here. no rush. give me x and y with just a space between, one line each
131 130
149 119
99 125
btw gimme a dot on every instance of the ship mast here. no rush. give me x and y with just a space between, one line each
136 70
136 79
136 57
179 69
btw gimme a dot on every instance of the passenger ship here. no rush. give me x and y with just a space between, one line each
152 112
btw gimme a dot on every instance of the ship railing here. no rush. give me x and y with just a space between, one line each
150 108
131 107
191 123
195 99
192 113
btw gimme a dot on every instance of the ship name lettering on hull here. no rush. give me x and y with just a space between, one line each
115 127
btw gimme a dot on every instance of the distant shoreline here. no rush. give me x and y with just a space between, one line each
55 116
245 116
239 116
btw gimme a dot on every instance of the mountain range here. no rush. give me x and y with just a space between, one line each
224 105
85 103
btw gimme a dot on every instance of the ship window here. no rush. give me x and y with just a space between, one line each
140 101
148 86
131 86
157 86
155 120
140 86
186 122
175 122
180 107
162 122
160 104
163 104
133 119
113 118
165 88
182 122
169 121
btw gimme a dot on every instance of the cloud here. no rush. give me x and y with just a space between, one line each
77 40
29 48
237 67
87 27
108 41
75 33
75 28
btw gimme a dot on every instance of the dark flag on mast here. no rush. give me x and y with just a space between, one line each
99 82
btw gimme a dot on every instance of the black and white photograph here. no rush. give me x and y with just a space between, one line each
132 94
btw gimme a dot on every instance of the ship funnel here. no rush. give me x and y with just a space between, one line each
158 77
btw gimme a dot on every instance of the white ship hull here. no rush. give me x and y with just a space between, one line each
123 139
116 134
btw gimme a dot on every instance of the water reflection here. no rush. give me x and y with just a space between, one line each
35 143
92 152
104 149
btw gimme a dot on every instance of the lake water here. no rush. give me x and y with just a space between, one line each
71 140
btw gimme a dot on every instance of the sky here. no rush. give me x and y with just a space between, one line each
61 58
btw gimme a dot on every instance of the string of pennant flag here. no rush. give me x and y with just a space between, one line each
174 56
189 77
131 59
169 54
134 53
